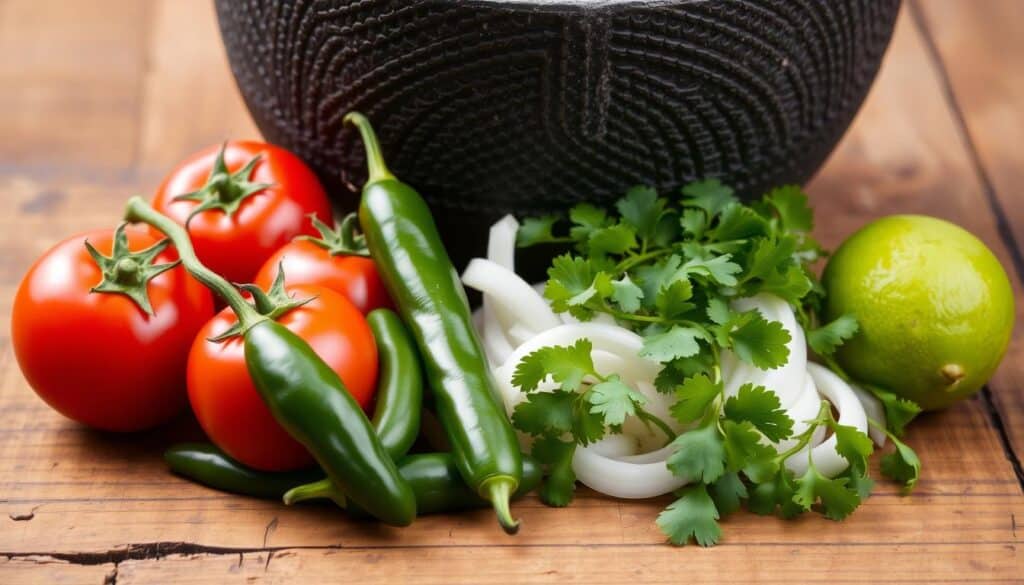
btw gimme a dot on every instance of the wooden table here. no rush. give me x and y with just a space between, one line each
98 102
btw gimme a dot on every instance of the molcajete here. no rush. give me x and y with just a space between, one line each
497 106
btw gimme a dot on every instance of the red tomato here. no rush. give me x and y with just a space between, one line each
97 357
236 243
227 404
305 262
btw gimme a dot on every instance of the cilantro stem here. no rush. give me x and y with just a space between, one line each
805 437
648 417
632 261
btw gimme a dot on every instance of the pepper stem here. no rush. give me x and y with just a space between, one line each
498 490
374 158
138 210
324 488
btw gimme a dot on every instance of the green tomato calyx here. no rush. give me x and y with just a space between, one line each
225 190
129 273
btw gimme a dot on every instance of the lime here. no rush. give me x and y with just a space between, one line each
935 308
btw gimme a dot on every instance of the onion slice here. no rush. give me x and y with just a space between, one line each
512 297
826 459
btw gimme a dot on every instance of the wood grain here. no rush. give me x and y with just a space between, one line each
981 52
87 507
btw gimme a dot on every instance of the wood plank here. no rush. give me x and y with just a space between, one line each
615 564
191 100
981 51
48 571
71 73
89 497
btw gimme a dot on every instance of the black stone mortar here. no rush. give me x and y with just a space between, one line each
496 106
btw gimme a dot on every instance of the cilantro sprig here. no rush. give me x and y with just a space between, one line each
668 268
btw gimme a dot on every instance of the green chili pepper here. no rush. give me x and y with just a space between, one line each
433 477
396 417
208 465
404 242
305 396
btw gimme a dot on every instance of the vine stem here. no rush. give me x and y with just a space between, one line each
138 210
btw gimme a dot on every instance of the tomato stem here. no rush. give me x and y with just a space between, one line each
138 210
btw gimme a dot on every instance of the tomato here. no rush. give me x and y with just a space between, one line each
244 223
306 262
98 357
227 404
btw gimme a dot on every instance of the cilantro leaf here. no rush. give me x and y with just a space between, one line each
792 284
699 454
693 222
545 413
854 446
654 276
837 500
738 222
693 398
790 203
727 492
642 209
586 218
898 411
768 496
567 366
587 426
719 311
570 282
860 483
677 342
626 294
536 230
710 195
761 407
743 446
693 515
902 465
560 483
824 340
673 300
767 255
614 400
720 269
614 239
760 342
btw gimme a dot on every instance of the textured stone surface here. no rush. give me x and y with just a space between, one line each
490 107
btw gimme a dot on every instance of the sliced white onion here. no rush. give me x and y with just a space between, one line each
806 408
624 479
826 459
501 243
875 411
615 446
786 381
512 297
496 344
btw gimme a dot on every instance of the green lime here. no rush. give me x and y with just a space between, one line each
935 308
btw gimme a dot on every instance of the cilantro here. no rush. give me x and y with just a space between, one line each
902 464
694 395
670 268
614 401
626 294
537 230
693 515
545 413
762 409
727 492
824 340
699 455
760 342
560 482
836 498
677 342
